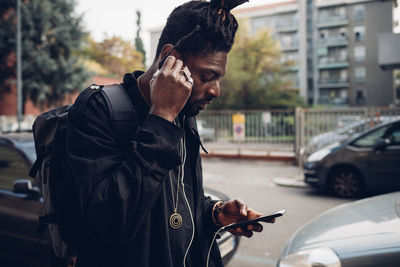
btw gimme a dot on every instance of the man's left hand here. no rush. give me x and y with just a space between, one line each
235 211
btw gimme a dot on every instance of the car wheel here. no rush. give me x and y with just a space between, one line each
346 182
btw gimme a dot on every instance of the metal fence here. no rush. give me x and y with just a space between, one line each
275 126
294 129
9 123
276 130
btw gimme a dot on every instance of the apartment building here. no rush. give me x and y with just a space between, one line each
282 19
334 44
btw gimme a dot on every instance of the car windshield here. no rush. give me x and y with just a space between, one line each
29 148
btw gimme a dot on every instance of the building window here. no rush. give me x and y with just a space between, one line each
360 98
359 12
360 74
260 23
359 53
359 33
322 51
343 76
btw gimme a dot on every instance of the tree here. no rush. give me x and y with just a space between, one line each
255 75
115 55
138 40
7 44
51 37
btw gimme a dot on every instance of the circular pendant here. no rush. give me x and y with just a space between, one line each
175 221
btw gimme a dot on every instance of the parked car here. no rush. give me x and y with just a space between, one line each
21 204
344 132
349 169
206 133
365 233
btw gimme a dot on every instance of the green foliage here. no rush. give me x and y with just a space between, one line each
254 77
138 40
51 36
116 55
7 45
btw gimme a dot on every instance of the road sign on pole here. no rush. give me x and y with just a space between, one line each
238 122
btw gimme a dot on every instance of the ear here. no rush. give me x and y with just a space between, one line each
167 50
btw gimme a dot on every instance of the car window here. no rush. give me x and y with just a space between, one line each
12 167
29 149
371 138
395 137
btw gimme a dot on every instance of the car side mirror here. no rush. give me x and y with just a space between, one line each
24 186
381 143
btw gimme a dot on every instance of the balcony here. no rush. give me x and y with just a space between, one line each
286 26
333 41
333 83
290 46
290 65
333 101
332 21
332 63
292 69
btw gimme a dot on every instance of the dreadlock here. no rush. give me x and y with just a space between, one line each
199 27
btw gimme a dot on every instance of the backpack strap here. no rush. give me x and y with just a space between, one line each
122 111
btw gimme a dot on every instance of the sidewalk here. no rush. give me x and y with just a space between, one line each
226 149
279 152
297 181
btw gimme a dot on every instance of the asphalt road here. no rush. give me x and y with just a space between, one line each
252 181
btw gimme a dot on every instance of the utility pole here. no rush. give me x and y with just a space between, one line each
19 66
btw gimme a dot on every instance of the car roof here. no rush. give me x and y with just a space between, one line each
15 138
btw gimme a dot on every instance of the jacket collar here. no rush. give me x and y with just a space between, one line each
131 85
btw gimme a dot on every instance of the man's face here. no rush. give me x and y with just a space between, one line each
206 72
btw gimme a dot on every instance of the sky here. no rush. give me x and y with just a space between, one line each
118 17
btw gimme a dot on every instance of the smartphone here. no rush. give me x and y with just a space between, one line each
264 218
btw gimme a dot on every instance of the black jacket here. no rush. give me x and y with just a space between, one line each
122 187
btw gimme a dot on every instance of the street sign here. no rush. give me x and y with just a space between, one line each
238 122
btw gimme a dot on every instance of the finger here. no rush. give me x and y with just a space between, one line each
241 206
154 76
182 78
186 71
168 63
247 233
255 227
176 69
236 231
190 81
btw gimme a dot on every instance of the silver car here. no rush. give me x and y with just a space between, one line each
206 133
364 233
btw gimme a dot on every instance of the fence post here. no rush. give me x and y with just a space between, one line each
299 133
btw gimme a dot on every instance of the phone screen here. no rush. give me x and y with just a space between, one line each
264 218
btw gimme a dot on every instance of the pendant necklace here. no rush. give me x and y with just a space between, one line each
175 220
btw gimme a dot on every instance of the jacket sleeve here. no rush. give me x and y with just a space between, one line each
117 187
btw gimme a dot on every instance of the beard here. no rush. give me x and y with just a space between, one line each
193 107
190 109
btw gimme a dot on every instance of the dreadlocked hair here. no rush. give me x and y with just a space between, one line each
199 27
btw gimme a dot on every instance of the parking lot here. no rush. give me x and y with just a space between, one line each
253 181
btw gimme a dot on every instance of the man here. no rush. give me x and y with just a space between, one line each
143 202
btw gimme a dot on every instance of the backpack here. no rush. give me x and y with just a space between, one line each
60 196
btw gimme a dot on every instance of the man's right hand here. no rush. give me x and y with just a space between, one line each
169 90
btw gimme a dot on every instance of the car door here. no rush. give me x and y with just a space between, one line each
19 240
386 161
